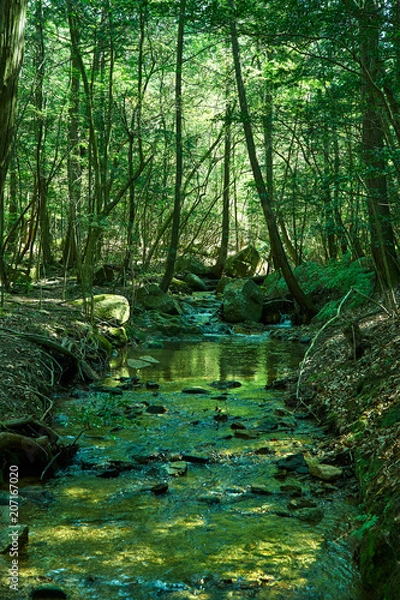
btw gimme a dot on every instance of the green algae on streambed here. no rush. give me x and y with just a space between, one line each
224 529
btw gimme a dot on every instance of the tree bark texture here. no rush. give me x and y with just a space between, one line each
12 29
381 231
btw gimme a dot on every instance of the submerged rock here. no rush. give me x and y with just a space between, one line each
309 515
159 488
149 359
155 409
48 591
15 536
152 385
36 494
261 490
137 364
293 462
200 459
195 390
245 434
211 498
301 503
225 385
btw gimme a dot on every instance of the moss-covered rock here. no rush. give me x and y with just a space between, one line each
108 307
151 297
244 263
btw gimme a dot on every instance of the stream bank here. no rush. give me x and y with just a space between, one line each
359 399
325 391
193 482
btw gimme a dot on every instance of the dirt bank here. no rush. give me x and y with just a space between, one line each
358 398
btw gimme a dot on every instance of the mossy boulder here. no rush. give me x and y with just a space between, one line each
243 301
151 297
244 263
109 307
195 282
190 264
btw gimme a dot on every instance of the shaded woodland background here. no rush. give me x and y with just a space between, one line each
145 130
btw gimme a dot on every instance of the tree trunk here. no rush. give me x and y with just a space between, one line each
173 247
12 28
218 268
278 253
382 238
70 250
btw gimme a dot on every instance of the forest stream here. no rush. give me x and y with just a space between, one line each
190 484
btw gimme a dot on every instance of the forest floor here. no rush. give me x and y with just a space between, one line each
358 399
29 373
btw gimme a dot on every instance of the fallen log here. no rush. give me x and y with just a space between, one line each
33 447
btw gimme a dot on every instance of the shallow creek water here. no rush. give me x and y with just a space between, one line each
209 537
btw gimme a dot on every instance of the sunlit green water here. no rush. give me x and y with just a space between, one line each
209 537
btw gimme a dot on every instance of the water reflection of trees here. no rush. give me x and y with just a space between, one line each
262 360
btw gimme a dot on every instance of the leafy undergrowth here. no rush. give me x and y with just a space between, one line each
327 284
360 401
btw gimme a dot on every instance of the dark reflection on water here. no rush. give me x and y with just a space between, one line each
255 359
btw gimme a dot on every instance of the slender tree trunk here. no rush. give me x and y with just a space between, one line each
278 253
135 129
41 182
12 28
94 228
173 247
218 268
70 251
382 237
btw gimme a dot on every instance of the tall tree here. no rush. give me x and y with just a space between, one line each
12 28
382 236
277 250
173 246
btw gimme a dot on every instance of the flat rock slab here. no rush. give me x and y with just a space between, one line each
176 469
149 359
138 364
324 472
195 390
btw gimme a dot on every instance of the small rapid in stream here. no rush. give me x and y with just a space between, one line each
176 492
